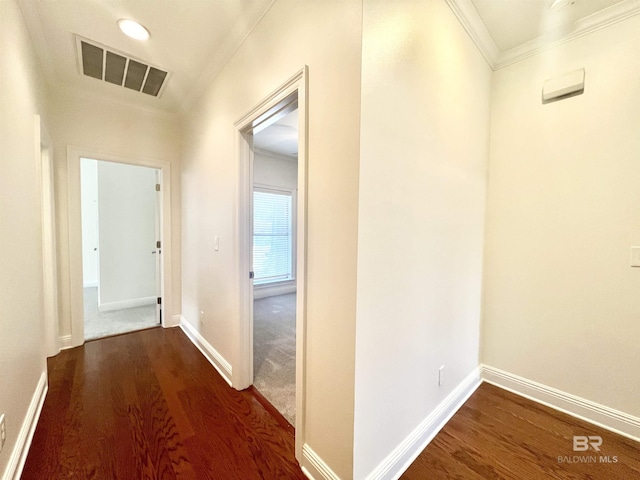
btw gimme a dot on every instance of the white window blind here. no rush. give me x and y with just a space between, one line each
272 237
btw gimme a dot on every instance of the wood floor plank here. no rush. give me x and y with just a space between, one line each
497 434
148 405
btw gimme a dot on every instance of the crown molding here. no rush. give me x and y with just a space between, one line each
475 27
36 31
472 23
278 156
584 26
234 40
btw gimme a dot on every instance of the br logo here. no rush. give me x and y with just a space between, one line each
582 443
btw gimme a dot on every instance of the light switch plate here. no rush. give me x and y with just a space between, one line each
635 257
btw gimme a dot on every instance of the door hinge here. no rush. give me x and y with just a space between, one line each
158 244
157 187
251 275
159 300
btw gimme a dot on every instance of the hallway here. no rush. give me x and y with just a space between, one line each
148 405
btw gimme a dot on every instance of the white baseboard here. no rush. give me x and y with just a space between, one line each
404 454
264 291
175 321
21 448
65 342
218 361
314 467
131 303
600 415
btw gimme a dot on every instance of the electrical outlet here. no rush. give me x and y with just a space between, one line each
441 376
3 432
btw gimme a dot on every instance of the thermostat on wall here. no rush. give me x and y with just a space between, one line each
571 83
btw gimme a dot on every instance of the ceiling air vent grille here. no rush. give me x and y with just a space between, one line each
103 63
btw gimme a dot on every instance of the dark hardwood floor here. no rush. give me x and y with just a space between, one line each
499 435
147 405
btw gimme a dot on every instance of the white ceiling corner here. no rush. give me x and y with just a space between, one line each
34 24
235 38
506 31
279 138
475 27
580 27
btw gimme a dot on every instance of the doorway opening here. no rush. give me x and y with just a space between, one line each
121 240
275 191
272 231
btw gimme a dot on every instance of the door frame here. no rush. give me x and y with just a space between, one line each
74 154
295 89
44 165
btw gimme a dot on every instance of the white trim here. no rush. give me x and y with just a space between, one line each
74 154
470 20
276 156
404 454
595 413
89 284
272 290
66 342
218 361
46 172
584 26
497 59
314 467
23 442
272 107
130 303
233 40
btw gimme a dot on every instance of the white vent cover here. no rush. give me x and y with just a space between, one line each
564 86
104 63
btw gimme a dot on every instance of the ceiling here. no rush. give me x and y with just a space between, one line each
507 31
280 138
514 22
193 39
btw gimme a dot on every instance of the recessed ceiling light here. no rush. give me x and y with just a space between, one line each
133 29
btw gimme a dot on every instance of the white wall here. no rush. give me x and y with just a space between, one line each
22 351
275 171
89 199
118 130
561 303
127 200
325 36
424 154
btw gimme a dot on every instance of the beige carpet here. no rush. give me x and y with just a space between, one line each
104 324
274 352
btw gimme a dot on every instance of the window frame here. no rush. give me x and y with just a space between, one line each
262 188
